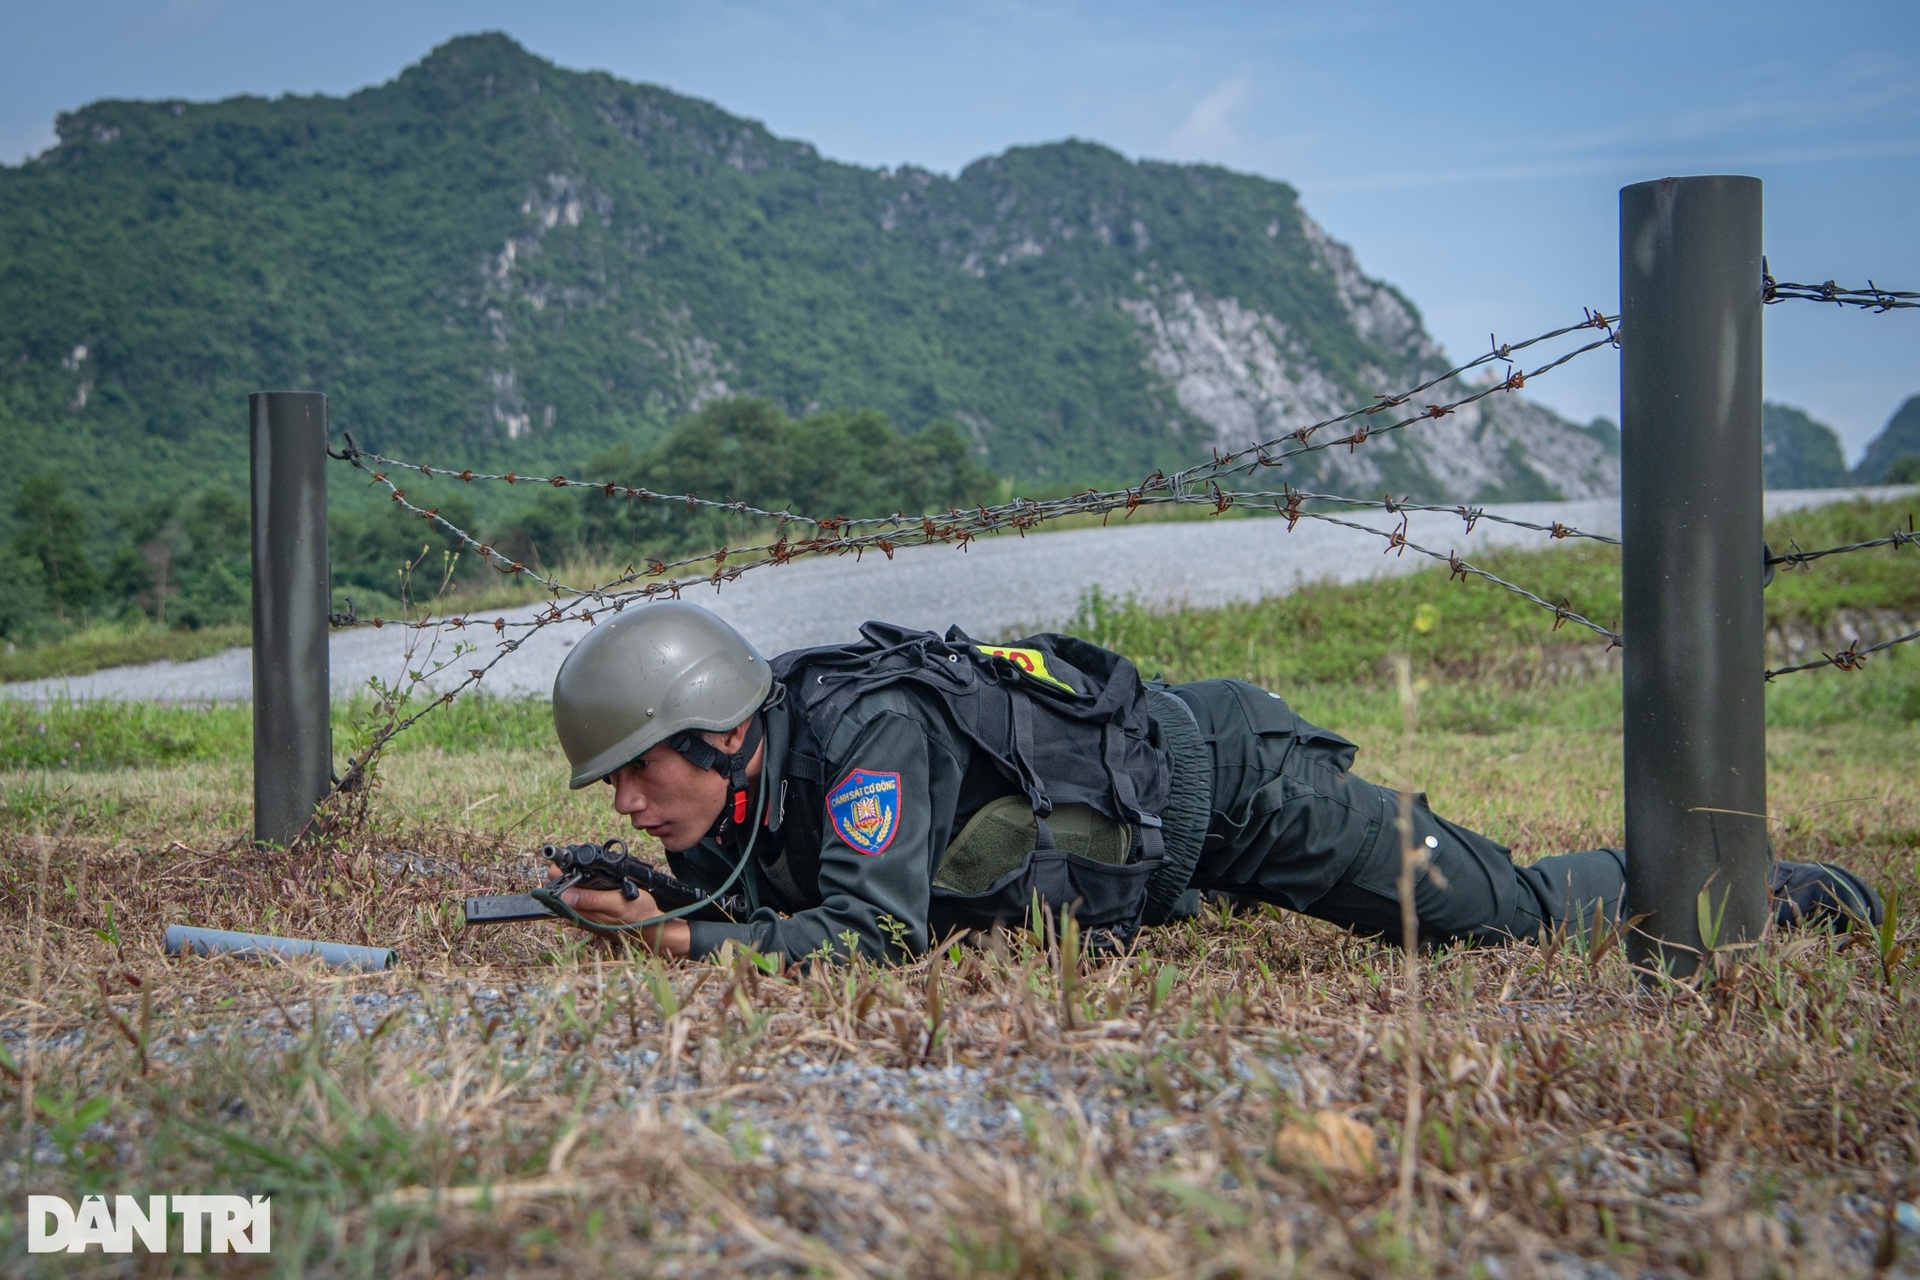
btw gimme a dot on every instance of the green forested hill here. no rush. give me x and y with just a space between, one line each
1894 455
1798 451
492 257
495 262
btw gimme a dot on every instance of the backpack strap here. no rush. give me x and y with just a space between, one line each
1112 739
1183 822
1030 782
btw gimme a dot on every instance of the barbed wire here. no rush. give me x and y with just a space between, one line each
1458 568
1851 658
1019 514
1254 456
959 526
486 551
1871 298
729 564
888 534
1472 515
1287 504
616 602
956 527
1798 558
611 488
1258 455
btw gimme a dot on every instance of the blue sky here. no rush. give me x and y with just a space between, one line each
1471 153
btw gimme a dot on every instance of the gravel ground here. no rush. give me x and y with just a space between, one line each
998 586
797 1118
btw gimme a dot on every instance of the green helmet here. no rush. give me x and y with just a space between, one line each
645 675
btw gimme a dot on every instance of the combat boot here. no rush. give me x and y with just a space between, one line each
1819 893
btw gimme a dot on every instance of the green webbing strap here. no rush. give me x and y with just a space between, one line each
551 900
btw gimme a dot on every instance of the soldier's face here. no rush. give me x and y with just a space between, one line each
668 798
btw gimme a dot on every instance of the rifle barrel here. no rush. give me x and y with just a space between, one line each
504 908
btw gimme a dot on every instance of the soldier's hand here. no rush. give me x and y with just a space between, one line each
610 906
607 906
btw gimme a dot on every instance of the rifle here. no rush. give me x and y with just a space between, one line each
601 866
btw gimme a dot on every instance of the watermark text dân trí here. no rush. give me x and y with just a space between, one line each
208 1224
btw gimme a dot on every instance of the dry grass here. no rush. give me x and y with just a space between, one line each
1225 1101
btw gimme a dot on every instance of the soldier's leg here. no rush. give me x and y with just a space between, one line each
1299 829
1478 894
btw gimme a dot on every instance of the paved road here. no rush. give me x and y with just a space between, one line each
999 585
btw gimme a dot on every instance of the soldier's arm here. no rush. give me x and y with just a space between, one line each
876 859
704 864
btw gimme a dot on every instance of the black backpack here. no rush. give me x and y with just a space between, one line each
1071 723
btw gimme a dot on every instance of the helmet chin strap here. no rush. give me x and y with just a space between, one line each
732 766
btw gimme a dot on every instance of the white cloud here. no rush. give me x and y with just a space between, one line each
1209 131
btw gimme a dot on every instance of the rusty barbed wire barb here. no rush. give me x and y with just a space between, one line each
1462 569
611 488
1267 453
1220 465
352 457
1851 658
1797 558
959 529
1871 298
1472 515
1397 539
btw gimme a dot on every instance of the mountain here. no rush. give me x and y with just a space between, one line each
497 261
1798 452
1888 457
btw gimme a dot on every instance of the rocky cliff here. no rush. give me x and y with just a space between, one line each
498 260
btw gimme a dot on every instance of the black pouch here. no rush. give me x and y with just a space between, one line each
1101 894
993 868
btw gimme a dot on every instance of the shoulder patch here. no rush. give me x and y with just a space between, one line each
865 809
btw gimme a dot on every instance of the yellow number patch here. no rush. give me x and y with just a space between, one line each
1031 661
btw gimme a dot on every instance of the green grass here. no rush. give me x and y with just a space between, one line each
512 1100
1884 578
1341 634
1494 660
109 734
110 644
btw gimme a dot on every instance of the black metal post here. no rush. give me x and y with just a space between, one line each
1691 566
292 740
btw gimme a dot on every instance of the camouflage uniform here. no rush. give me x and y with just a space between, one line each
1289 824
